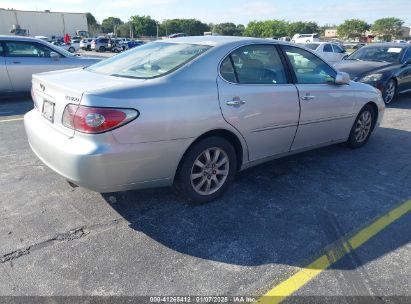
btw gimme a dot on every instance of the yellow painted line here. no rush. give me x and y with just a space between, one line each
12 119
341 249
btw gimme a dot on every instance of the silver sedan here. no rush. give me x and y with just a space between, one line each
20 57
192 112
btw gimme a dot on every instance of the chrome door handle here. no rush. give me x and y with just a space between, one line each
235 102
307 97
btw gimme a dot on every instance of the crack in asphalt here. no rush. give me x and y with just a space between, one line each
71 235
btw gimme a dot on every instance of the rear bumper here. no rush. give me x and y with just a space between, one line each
99 162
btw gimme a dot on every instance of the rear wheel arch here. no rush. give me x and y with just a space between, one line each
226 134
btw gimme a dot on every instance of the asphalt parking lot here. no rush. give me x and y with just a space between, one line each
275 220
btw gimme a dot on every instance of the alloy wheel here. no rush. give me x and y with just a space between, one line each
389 91
210 171
363 126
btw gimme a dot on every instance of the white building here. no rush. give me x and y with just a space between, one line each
44 23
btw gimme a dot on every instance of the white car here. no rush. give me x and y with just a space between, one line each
71 47
85 44
331 52
305 38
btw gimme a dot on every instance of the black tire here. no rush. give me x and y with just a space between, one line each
102 49
356 141
88 48
71 50
184 185
390 91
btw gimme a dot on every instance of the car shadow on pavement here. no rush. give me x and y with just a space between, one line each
15 105
402 101
285 211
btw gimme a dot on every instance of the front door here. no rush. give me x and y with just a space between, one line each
327 109
257 98
5 84
25 58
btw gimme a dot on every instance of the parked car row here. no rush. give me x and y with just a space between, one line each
104 44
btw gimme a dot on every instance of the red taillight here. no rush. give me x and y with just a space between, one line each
96 120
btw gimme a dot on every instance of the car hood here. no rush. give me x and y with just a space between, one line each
361 68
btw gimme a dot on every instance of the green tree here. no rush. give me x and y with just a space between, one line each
353 28
301 27
268 28
387 28
191 27
228 29
108 24
144 25
92 23
123 30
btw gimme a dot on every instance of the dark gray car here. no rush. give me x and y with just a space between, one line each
386 66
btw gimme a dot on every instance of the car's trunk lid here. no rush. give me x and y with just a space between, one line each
52 91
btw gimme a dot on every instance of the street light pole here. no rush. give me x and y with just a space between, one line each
157 29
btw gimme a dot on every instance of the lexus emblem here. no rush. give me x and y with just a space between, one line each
42 87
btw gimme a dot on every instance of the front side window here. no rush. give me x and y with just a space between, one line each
254 64
26 49
1 49
407 55
308 68
150 60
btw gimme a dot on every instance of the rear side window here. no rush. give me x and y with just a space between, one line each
308 68
254 64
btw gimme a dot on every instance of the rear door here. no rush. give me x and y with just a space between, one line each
327 110
5 84
25 58
328 53
258 99
339 52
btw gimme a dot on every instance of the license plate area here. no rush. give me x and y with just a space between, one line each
48 110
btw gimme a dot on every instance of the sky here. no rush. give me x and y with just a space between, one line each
237 11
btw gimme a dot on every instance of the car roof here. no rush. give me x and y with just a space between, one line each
18 38
218 40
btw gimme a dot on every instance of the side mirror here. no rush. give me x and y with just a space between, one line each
342 78
407 62
54 56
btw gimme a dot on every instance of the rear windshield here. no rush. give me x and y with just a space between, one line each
311 46
149 61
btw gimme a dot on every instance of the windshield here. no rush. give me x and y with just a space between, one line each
312 46
150 60
378 53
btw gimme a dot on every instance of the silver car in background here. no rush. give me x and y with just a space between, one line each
20 57
191 112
